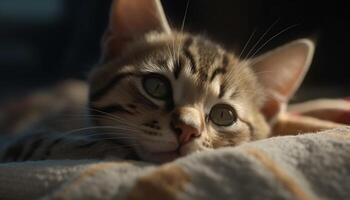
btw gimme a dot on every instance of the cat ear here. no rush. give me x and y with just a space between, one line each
281 72
130 19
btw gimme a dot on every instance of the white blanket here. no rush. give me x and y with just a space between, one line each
310 166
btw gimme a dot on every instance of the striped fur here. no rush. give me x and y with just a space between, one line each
198 74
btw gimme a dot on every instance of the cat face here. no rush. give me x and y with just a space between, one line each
180 94
168 94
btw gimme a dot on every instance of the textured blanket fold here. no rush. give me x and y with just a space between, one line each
310 166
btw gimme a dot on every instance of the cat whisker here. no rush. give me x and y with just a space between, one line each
75 131
81 119
115 131
246 44
276 35
261 38
101 136
124 146
83 115
87 118
243 61
182 28
113 138
185 16
119 124
102 112
117 118
118 132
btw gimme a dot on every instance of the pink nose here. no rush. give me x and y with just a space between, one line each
186 132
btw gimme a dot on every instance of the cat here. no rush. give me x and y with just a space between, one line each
162 94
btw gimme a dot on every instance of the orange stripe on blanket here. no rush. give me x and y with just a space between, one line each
163 184
287 181
87 173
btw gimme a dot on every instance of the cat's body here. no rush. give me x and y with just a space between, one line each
162 94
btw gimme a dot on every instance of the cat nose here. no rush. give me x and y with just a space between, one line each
186 132
186 122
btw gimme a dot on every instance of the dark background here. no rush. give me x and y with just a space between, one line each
44 41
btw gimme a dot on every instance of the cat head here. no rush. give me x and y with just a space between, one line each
168 94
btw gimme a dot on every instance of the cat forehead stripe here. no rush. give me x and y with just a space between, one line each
188 54
99 93
178 65
222 90
221 69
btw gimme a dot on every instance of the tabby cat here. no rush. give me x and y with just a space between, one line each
162 94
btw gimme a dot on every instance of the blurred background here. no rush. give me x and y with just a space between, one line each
45 41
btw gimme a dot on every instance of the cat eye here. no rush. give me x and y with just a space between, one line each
156 86
223 115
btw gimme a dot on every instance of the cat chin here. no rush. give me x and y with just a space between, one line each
168 156
155 146
156 155
161 157
190 148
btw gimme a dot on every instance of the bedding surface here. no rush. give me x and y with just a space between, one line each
308 166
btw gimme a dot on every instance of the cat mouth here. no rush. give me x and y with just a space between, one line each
168 156
163 156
